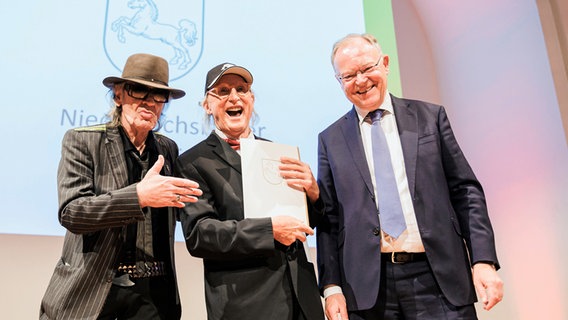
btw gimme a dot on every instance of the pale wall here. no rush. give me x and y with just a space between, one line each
28 262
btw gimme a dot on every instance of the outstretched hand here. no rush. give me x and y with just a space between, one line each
287 230
159 191
298 175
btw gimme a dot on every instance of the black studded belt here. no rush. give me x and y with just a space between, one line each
403 257
143 269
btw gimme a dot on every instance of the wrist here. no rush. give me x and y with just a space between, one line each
331 290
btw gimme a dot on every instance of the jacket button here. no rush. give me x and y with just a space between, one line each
376 231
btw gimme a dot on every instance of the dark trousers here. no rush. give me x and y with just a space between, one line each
409 291
148 299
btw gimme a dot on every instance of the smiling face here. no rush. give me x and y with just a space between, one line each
363 83
231 104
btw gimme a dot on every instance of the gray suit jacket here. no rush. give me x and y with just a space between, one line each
95 205
448 201
246 270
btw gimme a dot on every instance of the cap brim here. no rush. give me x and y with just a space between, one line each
240 71
176 93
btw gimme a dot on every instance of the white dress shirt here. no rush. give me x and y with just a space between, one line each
409 240
222 135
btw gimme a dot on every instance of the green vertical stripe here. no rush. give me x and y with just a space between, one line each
379 21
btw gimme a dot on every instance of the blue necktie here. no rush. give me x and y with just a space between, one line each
390 209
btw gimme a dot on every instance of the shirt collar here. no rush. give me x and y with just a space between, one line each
129 146
386 105
222 135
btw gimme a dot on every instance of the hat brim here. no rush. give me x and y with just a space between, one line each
109 82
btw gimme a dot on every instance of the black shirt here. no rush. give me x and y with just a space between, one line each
138 165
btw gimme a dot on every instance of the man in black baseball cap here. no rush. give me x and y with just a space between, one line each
254 268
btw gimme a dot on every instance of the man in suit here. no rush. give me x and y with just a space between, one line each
444 250
115 200
255 268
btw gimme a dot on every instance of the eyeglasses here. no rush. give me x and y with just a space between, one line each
346 78
142 92
223 92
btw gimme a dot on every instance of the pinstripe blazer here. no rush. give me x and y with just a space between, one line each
95 205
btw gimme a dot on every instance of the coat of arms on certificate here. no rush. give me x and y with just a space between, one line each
265 192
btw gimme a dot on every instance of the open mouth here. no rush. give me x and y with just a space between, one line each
234 112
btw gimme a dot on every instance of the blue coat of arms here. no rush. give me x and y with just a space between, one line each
170 29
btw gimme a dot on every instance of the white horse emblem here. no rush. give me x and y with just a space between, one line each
144 23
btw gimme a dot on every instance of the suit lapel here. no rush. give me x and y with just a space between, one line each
115 153
349 126
166 151
224 152
163 149
407 124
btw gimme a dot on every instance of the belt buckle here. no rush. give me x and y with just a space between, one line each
393 260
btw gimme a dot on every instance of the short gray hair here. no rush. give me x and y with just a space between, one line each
365 36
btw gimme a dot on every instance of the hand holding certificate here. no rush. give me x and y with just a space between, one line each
265 192
275 184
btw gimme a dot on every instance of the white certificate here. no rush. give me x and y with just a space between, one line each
265 192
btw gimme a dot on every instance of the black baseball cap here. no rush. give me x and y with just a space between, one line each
226 68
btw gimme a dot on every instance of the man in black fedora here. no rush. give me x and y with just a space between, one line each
116 200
